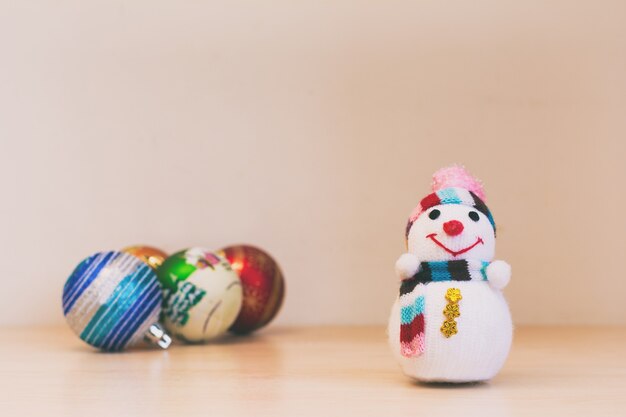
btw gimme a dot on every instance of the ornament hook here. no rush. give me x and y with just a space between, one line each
157 336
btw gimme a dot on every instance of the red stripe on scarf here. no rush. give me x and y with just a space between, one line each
410 331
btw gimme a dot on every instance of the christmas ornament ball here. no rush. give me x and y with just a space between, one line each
263 286
150 255
201 294
112 301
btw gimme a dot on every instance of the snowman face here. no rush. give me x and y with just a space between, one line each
451 232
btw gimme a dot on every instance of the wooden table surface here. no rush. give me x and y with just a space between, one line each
309 371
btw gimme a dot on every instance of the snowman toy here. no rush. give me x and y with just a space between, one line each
451 322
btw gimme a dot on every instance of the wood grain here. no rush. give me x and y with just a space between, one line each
316 371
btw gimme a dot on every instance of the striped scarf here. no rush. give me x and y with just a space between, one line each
412 300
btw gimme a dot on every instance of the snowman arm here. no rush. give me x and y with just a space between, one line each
498 274
407 265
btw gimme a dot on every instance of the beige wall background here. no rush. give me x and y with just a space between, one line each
312 130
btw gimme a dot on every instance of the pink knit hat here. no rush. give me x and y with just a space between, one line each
453 185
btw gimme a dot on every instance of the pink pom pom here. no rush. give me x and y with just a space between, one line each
457 176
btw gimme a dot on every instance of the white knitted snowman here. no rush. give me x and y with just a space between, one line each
451 322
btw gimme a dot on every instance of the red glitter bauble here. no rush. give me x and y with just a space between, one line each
263 286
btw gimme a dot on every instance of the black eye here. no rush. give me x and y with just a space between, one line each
434 214
473 215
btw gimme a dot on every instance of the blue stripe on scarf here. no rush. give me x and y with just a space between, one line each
408 313
439 271
483 270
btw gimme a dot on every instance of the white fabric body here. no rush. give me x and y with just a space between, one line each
476 352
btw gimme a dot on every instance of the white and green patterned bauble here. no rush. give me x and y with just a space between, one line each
202 295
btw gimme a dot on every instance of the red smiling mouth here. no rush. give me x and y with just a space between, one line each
450 251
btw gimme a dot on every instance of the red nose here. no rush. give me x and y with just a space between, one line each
453 227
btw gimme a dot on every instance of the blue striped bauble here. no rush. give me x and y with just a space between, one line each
111 300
